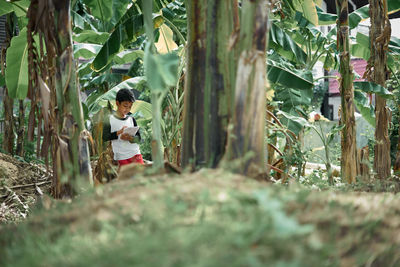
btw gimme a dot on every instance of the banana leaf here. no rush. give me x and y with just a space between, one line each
16 73
101 9
284 45
19 7
110 78
364 107
280 73
128 56
161 70
373 88
124 32
293 122
86 50
99 100
91 36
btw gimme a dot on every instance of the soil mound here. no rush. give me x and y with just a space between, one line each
20 183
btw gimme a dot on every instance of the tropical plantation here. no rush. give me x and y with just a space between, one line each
199 133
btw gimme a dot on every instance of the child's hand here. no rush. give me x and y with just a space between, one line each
121 131
126 137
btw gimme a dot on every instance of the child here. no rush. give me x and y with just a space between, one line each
125 147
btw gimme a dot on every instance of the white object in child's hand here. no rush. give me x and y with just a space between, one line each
131 130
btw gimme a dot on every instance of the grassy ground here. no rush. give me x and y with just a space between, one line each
209 218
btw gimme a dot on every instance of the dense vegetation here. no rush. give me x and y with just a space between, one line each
226 85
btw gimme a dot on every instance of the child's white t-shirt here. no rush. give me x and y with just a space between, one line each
122 149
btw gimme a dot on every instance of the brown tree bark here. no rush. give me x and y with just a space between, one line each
64 128
9 136
21 130
377 72
348 134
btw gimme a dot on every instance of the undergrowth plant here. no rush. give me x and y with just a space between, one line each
327 139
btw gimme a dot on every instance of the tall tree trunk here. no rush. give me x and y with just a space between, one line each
380 32
8 137
71 123
59 94
21 130
247 138
210 81
349 145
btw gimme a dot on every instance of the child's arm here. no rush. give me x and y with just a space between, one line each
108 135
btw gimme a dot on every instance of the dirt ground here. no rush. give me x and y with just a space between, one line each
20 184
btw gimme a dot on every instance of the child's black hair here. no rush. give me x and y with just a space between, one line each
125 95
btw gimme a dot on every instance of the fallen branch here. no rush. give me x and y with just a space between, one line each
26 185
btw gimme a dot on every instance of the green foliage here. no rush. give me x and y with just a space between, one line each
20 8
161 71
97 99
16 74
91 36
283 44
362 102
125 31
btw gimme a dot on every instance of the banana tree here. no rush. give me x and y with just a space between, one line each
8 102
55 97
246 139
15 13
380 31
210 81
348 133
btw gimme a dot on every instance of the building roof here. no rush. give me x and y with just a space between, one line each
359 66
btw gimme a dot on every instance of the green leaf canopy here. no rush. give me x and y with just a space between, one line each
17 66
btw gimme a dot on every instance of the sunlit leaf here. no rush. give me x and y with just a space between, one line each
358 15
86 50
17 66
90 36
128 56
165 43
309 11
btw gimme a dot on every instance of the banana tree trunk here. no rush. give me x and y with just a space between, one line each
349 145
247 138
71 128
210 81
21 130
8 137
54 72
380 32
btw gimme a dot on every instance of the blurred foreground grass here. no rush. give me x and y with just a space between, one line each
209 218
